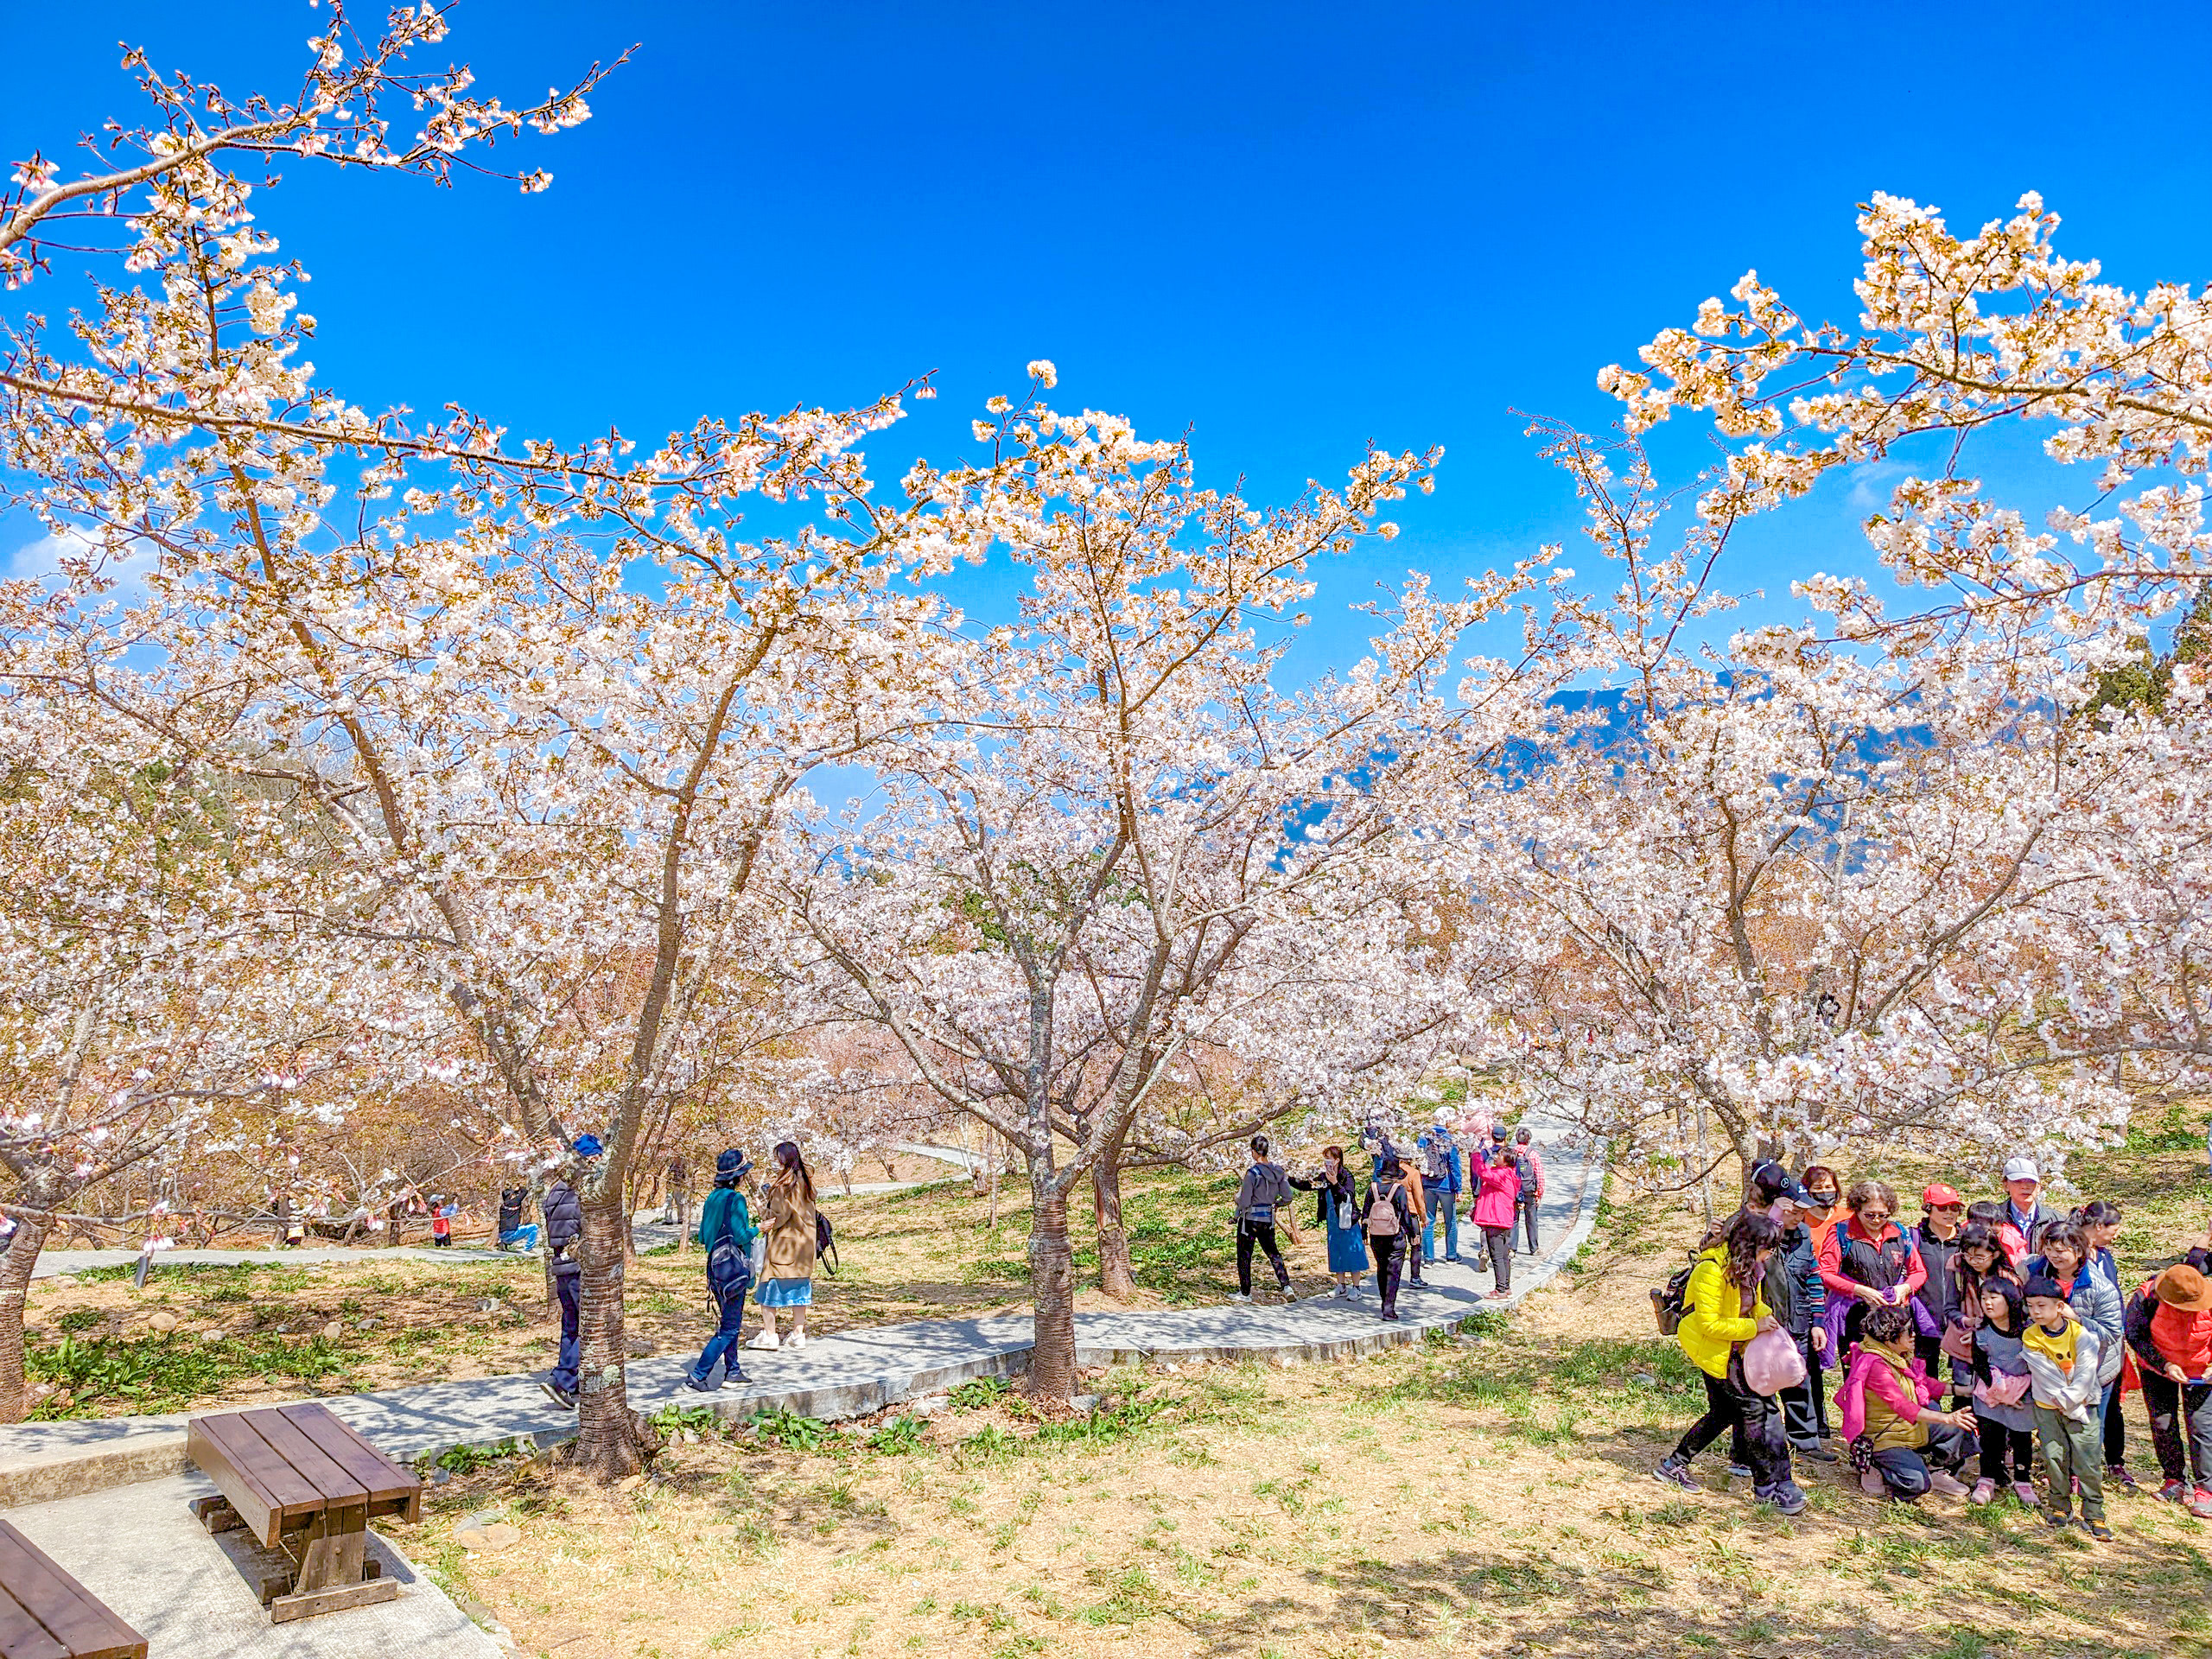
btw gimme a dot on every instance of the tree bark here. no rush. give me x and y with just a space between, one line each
607 1440
15 1285
1052 1277
1116 1274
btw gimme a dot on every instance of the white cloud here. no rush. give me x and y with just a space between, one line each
48 559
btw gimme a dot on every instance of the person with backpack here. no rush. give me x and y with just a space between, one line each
1265 1187
1724 1306
1387 1214
1902 1443
514 1235
1497 1204
564 1230
790 1246
1440 1189
726 1233
1532 1183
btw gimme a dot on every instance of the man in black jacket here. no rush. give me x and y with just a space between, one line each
1791 1275
565 1227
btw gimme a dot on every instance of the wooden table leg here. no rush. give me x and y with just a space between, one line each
330 1576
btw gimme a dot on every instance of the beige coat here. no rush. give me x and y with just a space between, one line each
789 1228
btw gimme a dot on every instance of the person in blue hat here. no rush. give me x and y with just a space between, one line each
726 1231
565 1227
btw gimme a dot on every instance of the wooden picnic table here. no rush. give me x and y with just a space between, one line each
300 1481
45 1614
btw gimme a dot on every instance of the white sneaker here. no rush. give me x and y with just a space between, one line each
1238 1296
797 1340
767 1340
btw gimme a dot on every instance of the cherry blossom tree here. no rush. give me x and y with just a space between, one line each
1105 846
538 709
1781 892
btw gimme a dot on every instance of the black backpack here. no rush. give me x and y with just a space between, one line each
1670 1304
825 1243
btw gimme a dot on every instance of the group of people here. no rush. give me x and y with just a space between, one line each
1393 1225
2017 1309
773 1258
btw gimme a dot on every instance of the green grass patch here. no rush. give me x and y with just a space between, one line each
162 1373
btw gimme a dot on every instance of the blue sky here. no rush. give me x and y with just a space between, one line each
1288 228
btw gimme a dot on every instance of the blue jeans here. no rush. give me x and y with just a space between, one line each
522 1238
723 1343
1441 1207
566 1286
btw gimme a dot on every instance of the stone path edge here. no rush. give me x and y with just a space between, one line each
153 1448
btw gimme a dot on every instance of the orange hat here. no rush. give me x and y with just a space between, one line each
1938 1193
2182 1286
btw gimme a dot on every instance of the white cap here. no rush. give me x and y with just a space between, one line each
2021 1169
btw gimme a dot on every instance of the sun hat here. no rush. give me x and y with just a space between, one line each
2022 1169
2182 1286
1936 1194
732 1166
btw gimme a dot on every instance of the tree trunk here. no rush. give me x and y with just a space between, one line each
607 1440
1051 1278
1117 1274
15 1285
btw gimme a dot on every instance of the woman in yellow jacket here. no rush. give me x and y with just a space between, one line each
1723 1308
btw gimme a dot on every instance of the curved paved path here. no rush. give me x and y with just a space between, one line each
850 1373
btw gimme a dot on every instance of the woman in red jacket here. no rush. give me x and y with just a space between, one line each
1497 1204
1869 1261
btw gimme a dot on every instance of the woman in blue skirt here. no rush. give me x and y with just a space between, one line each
1338 1215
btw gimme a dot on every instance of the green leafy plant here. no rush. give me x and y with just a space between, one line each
788 1429
979 1392
898 1436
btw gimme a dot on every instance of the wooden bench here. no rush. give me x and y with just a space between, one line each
45 1614
300 1481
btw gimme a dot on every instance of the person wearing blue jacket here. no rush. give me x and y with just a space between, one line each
726 1233
1440 1187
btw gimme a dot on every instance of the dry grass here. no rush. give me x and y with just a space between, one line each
1490 1498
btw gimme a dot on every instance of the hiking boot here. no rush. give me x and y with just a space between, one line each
2058 1521
2200 1504
2096 1529
565 1398
2116 1474
1786 1498
1984 1490
1817 1453
1675 1472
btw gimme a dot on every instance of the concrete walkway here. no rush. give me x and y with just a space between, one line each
194 1597
855 1372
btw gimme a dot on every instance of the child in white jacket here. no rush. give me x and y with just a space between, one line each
2062 1354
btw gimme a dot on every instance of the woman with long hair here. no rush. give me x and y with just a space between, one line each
1337 1214
787 1272
1724 1307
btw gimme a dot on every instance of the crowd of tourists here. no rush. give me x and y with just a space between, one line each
2018 1311
1408 1210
